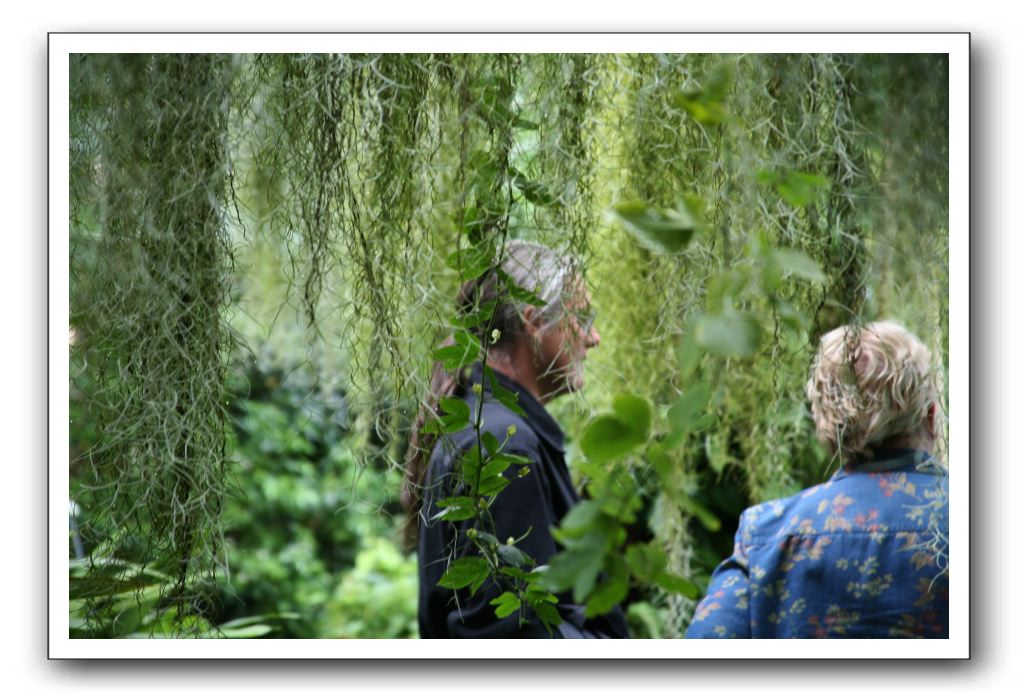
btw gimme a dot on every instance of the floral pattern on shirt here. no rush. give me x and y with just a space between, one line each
862 556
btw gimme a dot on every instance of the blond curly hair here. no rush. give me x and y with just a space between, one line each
870 384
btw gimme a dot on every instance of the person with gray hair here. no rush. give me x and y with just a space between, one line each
864 555
537 354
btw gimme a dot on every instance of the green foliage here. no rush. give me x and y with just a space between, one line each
377 598
309 530
667 231
611 436
114 599
594 533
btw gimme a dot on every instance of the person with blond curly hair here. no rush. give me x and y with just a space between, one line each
865 554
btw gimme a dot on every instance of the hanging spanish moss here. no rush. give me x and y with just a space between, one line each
148 301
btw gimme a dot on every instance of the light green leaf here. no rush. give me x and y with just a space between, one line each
492 485
512 555
704 515
580 517
689 407
249 632
735 334
715 85
619 497
506 397
518 292
795 187
612 436
689 351
636 412
456 408
548 614
646 561
723 287
464 572
606 596
792 318
470 262
662 231
507 602
490 443
456 508
451 357
673 583
535 192
607 438
497 464
717 453
798 264
575 569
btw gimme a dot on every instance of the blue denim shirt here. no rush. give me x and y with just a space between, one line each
863 555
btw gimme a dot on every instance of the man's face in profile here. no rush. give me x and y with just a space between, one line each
563 345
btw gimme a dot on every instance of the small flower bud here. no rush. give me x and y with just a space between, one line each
525 471
510 540
495 334
477 388
511 430
471 534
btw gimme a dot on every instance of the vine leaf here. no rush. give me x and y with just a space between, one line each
464 572
606 595
673 583
734 334
535 192
456 508
797 263
646 561
688 414
512 555
724 286
709 520
470 262
465 350
795 187
706 104
614 435
663 231
507 602
518 292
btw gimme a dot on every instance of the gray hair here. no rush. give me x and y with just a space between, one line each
531 266
542 271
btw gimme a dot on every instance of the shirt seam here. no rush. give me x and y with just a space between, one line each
764 541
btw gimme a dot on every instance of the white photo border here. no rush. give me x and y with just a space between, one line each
955 45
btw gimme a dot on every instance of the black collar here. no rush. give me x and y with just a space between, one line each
538 418
895 459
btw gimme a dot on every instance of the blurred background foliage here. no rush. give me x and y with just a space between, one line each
258 277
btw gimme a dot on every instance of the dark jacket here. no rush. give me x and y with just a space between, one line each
535 503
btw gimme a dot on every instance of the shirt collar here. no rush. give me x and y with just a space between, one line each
893 460
538 418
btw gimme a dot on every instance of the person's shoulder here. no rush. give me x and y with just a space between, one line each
511 431
509 428
796 513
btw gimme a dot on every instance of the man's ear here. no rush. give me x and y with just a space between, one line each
531 320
